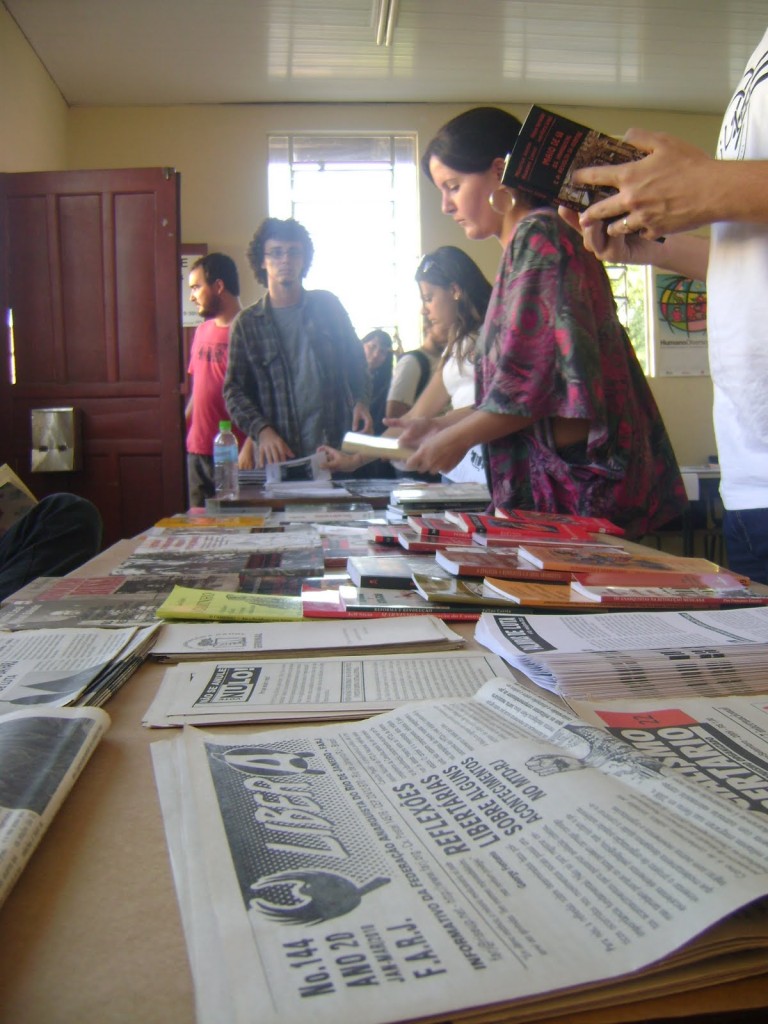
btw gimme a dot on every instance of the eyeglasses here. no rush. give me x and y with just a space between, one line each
292 252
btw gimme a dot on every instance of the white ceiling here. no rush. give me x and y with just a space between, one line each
665 54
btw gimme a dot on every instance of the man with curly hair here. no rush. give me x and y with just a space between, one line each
297 375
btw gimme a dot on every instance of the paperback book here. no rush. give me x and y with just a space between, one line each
411 541
393 572
420 497
436 527
339 546
199 521
487 540
508 564
458 592
346 601
520 528
554 596
550 148
574 559
660 578
385 536
193 604
375 447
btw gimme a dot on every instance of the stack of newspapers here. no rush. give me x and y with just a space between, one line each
495 858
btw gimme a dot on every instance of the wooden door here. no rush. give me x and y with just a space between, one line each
89 268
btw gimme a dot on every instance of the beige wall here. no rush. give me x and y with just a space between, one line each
33 115
220 152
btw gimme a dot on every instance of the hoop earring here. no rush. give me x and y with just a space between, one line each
502 208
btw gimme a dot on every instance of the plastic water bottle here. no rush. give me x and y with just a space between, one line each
225 453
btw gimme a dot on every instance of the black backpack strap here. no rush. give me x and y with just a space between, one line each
425 368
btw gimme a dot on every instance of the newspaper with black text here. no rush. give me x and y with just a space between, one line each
490 856
612 655
42 752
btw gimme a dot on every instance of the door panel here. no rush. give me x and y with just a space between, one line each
89 265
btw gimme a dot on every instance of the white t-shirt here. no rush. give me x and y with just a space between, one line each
459 382
737 308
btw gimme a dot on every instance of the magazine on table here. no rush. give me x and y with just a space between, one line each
306 690
42 752
651 654
431 862
68 666
193 641
105 612
191 603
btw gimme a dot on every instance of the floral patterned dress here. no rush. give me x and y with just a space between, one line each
552 346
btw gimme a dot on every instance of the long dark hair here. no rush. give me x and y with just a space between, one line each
470 142
445 267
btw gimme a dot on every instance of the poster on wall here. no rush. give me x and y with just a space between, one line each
679 326
189 253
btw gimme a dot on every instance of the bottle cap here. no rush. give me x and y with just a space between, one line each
225 425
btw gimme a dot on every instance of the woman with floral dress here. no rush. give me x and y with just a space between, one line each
562 403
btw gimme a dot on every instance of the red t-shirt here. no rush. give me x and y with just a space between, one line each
208 365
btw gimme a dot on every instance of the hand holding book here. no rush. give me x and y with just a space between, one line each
666 193
580 169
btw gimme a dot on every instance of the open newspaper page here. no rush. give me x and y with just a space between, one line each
635 654
60 667
480 857
307 689
42 752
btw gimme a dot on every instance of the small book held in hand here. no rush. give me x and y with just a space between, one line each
376 447
550 148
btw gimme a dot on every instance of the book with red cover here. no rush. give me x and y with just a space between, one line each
477 561
386 536
520 526
337 548
438 527
486 540
412 541
550 524
575 559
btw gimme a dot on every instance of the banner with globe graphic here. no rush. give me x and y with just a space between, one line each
680 326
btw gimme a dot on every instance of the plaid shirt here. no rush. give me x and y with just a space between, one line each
257 389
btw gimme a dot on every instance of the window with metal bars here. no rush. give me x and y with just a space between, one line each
357 195
630 290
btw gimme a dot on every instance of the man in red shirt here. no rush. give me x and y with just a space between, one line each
215 288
